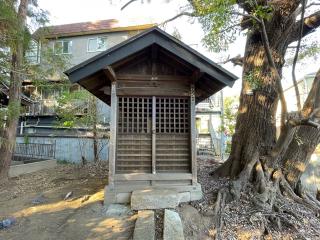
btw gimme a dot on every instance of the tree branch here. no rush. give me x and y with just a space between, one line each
247 16
294 79
237 60
313 100
275 73
127 4
310 24
189 14
295 122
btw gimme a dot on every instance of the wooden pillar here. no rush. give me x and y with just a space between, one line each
193 134
153 135
113 133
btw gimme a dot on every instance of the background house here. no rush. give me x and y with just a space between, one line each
78 41
210 141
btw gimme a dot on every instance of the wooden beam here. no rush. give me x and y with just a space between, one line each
113 133
144 77
106 90
153 135
109 73
128 59
196 75
150 176
176 60
193 135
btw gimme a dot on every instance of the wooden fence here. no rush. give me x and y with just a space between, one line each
34 151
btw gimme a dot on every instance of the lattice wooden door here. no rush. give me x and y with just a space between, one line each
171 135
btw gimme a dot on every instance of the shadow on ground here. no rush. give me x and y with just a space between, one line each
81 217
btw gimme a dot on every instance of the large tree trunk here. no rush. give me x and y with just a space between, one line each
16 77
305 140
255 132
255 128
298 154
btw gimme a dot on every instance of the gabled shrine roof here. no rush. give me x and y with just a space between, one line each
213 77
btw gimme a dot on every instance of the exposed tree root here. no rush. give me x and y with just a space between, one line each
269 192
218 212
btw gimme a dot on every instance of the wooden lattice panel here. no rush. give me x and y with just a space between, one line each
134 138
134 114
172 115
172 138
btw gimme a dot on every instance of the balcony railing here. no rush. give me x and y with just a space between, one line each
47 107
212 103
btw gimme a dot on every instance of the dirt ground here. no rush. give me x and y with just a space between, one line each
80 217
83 216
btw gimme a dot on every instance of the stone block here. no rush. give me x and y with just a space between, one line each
172 229
145 226
116 210
154 199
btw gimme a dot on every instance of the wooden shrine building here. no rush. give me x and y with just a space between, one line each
152 82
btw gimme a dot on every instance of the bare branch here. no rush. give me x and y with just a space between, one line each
127 4
247 16
312 4
296 46
237 60
189 14
294 79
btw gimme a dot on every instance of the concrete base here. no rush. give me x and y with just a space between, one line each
119 194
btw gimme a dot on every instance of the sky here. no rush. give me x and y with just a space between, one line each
156 11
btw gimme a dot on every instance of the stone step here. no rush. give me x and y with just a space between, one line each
116 210
172 229
154 199
145 226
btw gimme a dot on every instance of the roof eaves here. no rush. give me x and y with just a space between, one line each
227 80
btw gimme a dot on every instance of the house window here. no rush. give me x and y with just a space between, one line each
62 47
33 53
97 44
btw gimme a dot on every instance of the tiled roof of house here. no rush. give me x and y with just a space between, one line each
87 28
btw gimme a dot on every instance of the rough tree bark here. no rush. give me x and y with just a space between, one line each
255 132
258 158
306 139
8 137
95 130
